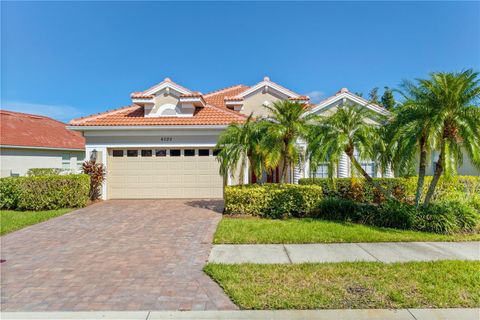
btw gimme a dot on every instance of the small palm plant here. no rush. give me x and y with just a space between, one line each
346 132
286 125
238 147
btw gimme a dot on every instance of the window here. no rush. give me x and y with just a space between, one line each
146 153
215 152
322 171
65 161
203 152
161 153
189 152
132 153
175 153
117 153
369 168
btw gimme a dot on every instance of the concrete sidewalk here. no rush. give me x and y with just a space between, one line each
400 314
344 252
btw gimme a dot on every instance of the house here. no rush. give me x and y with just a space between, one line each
162 145
30 141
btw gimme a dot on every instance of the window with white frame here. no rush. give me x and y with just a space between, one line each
66 161
322 171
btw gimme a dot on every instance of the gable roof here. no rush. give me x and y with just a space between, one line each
345 94
134 116
28 130
268 83
166 83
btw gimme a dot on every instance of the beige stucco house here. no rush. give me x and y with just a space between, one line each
162 144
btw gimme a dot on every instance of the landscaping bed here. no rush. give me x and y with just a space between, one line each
250 230
15 220
442 284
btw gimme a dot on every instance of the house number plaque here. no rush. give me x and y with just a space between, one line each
166 139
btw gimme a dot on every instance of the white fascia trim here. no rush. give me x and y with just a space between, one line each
233 103
164 85
40 148
269 84
113 128
142 100
353 98
151 145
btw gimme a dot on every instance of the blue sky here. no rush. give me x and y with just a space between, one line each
66 59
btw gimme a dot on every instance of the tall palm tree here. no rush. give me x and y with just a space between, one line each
455 115
412 131
239 146
345 132
285 126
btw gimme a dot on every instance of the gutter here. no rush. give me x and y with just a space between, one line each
39 148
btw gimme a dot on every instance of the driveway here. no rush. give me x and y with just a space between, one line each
115 255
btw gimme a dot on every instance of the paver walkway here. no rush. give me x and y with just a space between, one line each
375 314
339 252
115 255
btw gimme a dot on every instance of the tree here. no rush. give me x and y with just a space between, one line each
453 99
286 124
412 130
238 146
373 95
345 132
387 100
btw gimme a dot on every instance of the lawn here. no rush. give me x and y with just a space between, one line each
440 284
14 220
256 230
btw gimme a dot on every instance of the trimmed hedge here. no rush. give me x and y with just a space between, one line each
44 171
272 200
44 192
402 188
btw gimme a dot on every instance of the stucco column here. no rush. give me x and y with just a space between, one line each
389 172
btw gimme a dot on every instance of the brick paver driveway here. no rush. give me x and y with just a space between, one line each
115 255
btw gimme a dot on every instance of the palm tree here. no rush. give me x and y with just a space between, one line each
239 146
345 132
412 131
453 100
285 126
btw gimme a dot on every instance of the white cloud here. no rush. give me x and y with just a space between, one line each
59 112
315 96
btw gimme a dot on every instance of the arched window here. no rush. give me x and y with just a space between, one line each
167 110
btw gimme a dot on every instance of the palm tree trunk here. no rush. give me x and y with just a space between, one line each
367 176
436 175
421 169
284 173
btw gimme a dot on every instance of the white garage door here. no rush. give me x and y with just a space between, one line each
136 173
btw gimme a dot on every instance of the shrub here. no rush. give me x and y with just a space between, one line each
43 171
9 193
403 189
96 171
337 209
272 200
44 192
392 214
357 189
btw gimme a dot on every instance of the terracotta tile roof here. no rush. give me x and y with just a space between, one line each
193 94
140 95
217 98
134 116
28 130
302 98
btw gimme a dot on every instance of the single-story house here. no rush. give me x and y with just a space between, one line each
31 141
162 145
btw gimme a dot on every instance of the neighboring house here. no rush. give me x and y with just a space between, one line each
30 141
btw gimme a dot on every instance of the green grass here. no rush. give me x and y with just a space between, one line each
353 285
256 230
14 220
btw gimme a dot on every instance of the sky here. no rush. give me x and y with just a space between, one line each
71 59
